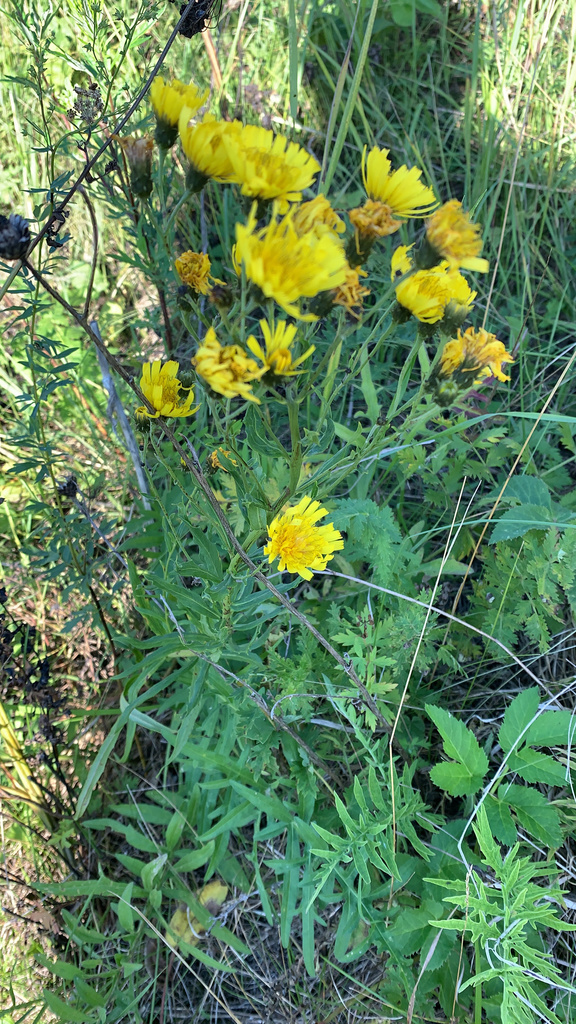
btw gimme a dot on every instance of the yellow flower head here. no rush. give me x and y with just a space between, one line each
474 352
267 166
204 146
451 236
169 98
401 190
318 217
352 293
193 268
276 355
301 545
287 266
374 219
429 294
227 369
214 462
160 385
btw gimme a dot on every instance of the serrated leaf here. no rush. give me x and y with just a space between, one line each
459 742
455 778
534 813
518 521
551 729
517 716
534 766
529 490
500 821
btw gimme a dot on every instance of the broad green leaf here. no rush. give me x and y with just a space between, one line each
534 766
518 521
124 910
500 820
455 778
195 859
534 813
459 742
529 490
518 714
65 1012
552 729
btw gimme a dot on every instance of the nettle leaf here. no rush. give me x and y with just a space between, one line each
534 766
518 521
534 813
528 490
518 715
465 774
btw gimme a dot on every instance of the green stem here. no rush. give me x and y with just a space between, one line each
296 460
405 376
478 987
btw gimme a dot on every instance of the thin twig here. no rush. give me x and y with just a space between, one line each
84 195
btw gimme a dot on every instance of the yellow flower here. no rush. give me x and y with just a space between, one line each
160 385
276 356
430 294
267 166
352 293
318 217
287 266
476 352
301 545
194 269
168 99
401 190
451 236
214 462
138 153
374 219
227 369
204 146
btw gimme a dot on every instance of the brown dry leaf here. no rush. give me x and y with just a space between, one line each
184 927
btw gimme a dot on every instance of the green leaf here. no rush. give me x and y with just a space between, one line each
534 766
518 714
500 820
551 729
528 490
518 521
65 1012
466 776
534 813
455 778
195 859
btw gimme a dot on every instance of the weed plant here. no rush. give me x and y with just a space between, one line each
288 533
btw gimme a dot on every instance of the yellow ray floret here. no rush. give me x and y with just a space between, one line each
318 217
427 294
401 190
352 293
227 369
451 235
276 355
286 266
302 546
474 352
204 146
267 166
160 385
169 98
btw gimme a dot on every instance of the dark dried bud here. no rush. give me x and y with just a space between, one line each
14 237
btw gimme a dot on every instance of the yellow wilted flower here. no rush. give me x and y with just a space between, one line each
227 369
301 545
374 219
401 190
184 925
352 292
286 266
474 352
451 236
276 356
138 153
160 385
194 270
318 217
168 99
204 146
267 166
